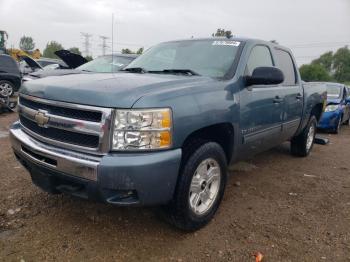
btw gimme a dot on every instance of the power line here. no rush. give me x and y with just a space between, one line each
86 42
104 45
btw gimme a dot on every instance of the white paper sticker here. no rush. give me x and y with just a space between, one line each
231 43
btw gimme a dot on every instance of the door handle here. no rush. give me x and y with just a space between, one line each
299 96
277 100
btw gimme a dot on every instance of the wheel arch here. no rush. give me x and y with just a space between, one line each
13 80
221 133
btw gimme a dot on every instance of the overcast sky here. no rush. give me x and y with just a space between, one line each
308 27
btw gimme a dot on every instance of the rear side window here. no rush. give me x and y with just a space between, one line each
285 63
259 56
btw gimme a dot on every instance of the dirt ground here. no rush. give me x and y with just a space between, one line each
287 208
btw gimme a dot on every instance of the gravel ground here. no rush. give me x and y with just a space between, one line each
287 208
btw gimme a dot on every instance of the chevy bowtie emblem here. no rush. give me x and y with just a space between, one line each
41 119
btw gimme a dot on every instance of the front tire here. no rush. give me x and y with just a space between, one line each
200 188
302 144
7 89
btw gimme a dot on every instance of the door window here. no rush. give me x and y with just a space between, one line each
259 56
285 63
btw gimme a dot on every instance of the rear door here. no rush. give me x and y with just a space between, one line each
260 107
292 93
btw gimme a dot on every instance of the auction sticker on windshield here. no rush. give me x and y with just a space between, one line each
232 43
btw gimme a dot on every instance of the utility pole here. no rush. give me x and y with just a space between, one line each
104 45
113 35
86 42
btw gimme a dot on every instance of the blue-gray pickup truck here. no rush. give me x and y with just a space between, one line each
163 131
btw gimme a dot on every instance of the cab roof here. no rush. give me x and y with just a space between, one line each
238 39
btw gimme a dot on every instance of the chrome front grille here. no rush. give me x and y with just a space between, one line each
93 116
77 127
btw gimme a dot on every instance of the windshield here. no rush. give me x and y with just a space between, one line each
206 57
104 64
333 91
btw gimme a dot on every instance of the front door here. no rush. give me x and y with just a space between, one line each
261 108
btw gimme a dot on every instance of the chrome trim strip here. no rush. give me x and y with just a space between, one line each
65 104
101 129
68 162
297 120
248 138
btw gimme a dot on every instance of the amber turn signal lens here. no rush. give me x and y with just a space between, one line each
165 139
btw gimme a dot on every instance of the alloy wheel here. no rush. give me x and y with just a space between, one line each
205 186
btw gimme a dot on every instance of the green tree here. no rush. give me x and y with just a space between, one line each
341 64
129 51
26 43
314 72
88 58
139 51
75 50
223 32
126 51
326 60
51 48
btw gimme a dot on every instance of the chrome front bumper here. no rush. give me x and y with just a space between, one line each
62 160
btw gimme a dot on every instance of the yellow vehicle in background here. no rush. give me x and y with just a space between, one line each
15 53
18 53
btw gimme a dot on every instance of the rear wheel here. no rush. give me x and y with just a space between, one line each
200 188
302 144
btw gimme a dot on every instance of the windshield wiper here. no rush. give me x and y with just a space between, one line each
135 70
176 71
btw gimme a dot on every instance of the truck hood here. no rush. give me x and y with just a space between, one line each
120 90
31 62
53 72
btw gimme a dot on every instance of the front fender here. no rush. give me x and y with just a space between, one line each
196 107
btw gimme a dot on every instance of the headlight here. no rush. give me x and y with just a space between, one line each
142 129
331 108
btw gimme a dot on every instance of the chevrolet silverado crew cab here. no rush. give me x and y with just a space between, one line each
163 131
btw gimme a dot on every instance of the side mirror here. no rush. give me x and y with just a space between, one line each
265 76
